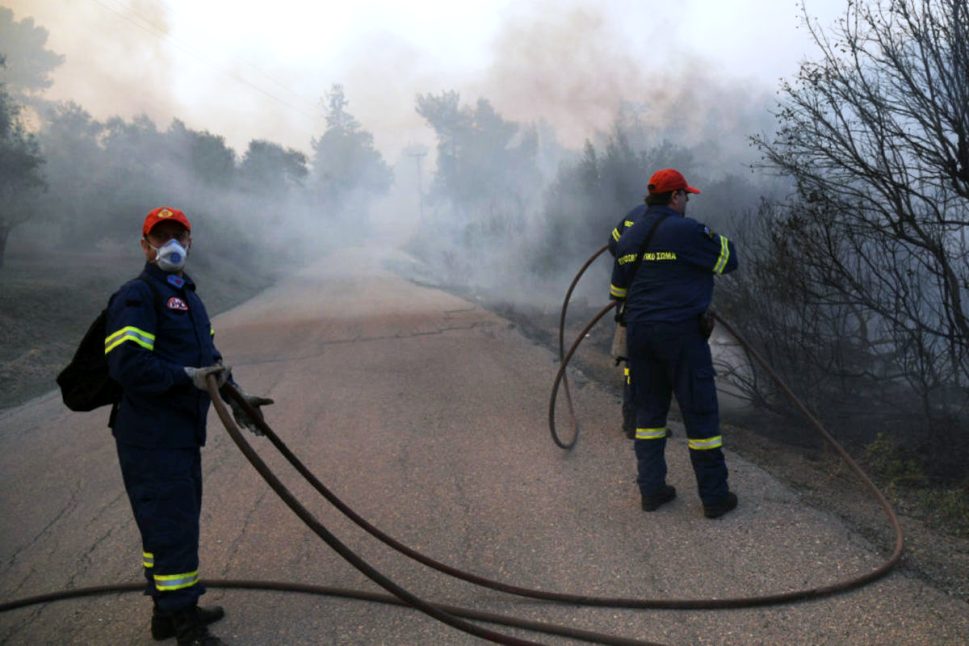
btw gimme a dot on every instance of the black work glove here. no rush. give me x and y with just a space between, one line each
620 313
242 418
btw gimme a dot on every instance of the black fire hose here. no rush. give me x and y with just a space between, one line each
450 614
585 600
564 361
310 520
330 591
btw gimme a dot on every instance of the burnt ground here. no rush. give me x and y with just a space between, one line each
936 524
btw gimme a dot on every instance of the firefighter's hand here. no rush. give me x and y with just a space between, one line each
198 375
243 419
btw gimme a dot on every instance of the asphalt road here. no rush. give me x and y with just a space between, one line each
427 414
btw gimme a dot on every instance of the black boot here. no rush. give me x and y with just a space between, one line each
163 625
729 503
660 498
191 630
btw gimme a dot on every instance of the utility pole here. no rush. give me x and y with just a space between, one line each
418 152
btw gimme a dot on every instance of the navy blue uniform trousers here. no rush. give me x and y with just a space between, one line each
667 359
164 486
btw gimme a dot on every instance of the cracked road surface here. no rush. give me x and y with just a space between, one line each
427 414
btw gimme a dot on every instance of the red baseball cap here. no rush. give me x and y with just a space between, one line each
161 214
668 180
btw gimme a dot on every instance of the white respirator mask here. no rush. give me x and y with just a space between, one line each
170 256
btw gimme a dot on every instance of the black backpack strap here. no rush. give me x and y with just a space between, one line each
621 312
645 245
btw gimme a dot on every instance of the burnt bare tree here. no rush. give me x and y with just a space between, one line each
876 136
868 262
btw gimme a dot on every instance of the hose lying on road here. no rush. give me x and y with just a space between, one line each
453 615
587 600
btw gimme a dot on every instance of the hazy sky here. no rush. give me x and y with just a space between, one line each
250 70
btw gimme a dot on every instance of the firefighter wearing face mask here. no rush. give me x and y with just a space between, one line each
664 271
160 348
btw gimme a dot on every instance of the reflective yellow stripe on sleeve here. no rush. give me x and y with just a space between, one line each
724 255
169 582
651 433
617 292
130 333
148 559
706 444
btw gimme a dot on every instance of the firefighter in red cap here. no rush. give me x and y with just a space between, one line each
664 271
160 348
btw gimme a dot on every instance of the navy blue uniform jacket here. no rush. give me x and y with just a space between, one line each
148 345
674 283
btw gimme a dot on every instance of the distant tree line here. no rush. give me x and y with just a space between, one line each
87 179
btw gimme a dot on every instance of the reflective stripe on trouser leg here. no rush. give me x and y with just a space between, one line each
651 433
172 582
706 443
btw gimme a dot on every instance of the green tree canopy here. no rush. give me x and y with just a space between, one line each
28 62
347 170
20 170
480 155
269 167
